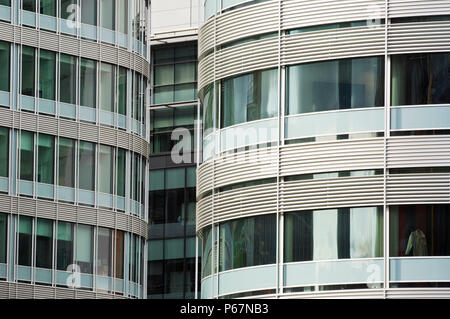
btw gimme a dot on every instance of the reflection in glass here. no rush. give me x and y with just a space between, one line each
26 155
46 153
87 165
25 240
44 243
47 75
422 78
84 248
247 242
107 87
48 7
122 92
104 252
123 16
66 162
88 75
249 97
107 13
348 83
89 12
105 169
28 71
334 234
67 78
67 8
64 253
207 251
419 230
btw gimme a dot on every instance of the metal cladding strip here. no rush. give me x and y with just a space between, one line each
332 193
364 293
332 156
203 213
245 166
332 44
419 37
206 37
247 21
296 14
11 290
204 178
77 47
74 130
418 189
418 293
71 213
206 70
418 151
405 8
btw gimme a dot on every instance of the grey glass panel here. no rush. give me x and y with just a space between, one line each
122 92
164 74
209 104
87 166
89 11
3 237
206 251
107 14
349 83
4 152
64 254
123 16
46 158
66 162
185 72
105 169
44 243
5 63
67 78
84 248
248 242
5 3
48 7
419 230
249 97
28 79
107 87
421 79
29 5
25 240
334 234
67 8
88 80
136 97
104 252
47 67
119 255
26 155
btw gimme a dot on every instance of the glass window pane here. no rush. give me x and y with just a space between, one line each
163 95
84 248
67 78
87 166
164 56
88 76
157 207
4 152
66 161
349 83
249 97
121 159
119 255
104 252
26 155
185 72
46 158
209 107
420 79
68 8
5 3
47 67
123 16
107 87
184 92
136 97
48 7
89 11
175 178
5 63
164 74
29 5
248 242
44 243
64 254
107 14
3 237
122 93
25 240
105 169
28 71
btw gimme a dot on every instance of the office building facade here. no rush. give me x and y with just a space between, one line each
325 149
74 147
